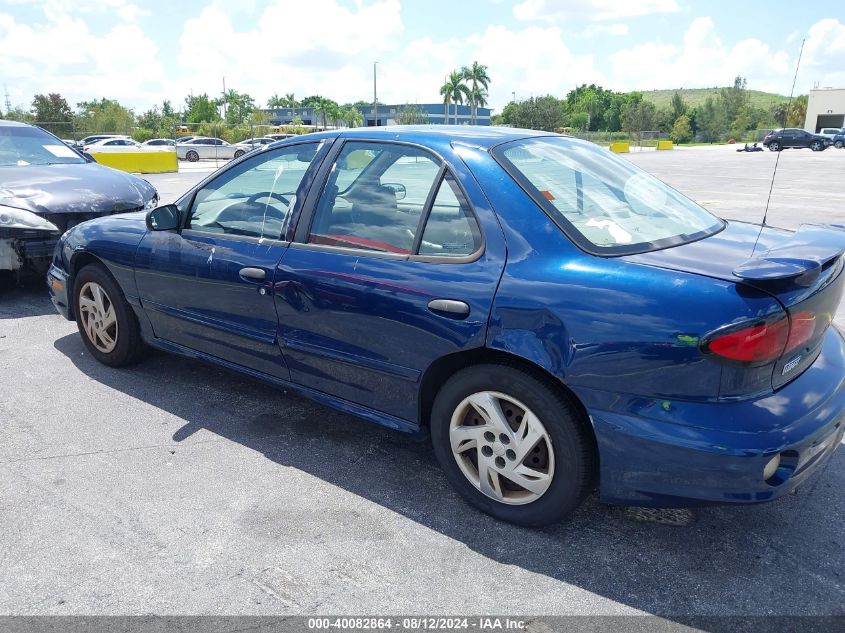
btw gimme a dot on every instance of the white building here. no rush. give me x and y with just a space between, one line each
825 108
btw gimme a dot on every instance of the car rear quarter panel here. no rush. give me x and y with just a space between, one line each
605 324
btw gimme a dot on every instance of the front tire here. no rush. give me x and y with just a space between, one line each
816 146
239 153
105 320
774 146
512 445
838 144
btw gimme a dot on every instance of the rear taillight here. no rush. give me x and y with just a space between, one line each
755 344
760 343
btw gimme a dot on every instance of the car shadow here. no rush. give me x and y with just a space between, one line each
778 558
24 297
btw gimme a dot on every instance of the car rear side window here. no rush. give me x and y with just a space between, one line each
374 197
604 203
451 229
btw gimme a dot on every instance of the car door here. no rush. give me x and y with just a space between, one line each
390 270
208 287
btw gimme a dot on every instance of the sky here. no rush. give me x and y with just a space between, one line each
145 51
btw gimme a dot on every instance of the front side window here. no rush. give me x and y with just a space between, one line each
254 198
374 197
603 202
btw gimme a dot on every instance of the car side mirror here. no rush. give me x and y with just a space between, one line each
164 218
397 188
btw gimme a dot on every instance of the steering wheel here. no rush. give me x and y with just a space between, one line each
268 194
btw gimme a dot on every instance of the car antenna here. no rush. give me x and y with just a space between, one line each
777 159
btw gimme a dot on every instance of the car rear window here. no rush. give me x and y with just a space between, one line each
601 201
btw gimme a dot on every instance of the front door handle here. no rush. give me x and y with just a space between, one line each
253 274
450 308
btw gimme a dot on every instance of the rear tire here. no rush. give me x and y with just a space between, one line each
816 146
239 153
774 146
192 156
495 427
838 144
105 319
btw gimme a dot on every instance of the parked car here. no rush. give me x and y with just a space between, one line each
279 137
202 147
555 318
259 141
839 140
160 142
47 187
791 138
185 139
112 145
829 132
88 140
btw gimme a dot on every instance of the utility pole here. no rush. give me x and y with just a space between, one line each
224 98
375 96
8 101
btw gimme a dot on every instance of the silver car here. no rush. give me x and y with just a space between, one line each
203 147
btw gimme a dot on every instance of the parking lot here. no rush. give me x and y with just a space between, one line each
173 487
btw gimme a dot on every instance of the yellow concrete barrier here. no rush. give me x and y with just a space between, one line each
139 162
620 147
664 145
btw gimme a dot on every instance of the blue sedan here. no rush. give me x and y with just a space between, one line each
556 320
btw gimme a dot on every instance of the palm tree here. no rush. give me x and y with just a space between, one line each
454 91
321 110
352 116
276 102
290 101
479 83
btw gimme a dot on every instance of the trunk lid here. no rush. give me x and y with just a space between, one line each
801 269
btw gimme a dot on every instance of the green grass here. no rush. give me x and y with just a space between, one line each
697 96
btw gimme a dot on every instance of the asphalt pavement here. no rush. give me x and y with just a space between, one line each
173 487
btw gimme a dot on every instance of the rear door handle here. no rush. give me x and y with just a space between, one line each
254 274
449 307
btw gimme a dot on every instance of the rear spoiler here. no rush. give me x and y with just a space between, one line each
799 260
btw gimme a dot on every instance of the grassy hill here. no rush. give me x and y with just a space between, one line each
697 96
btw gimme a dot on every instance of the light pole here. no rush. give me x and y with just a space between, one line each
375 96
514 95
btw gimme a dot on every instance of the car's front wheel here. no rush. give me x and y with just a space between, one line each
239 153
192 156
838 144
774 146
816 146
512 445
105 320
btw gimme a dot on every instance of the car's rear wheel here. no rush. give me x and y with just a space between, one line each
192 156
105 320
512 445
239 153
774 146
816 146
838 144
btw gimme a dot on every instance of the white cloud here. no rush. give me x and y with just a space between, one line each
701 60
824 51
63 55
560 10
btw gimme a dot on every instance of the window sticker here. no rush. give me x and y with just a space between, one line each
61 151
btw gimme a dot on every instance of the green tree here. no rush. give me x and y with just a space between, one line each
201 109
797 112
290 101
410 114
454 90
105 116
734 99
638 117
238 107
580 121
678 106
741 124
537 113
479 83
681 130
710 119
352 116
53 113
167 109
311 102
276 102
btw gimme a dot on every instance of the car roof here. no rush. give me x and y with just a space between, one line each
482 136
7 123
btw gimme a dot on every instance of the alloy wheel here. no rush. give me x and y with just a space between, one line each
502 447
99 320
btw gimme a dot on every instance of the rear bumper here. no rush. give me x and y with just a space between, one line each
666 453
